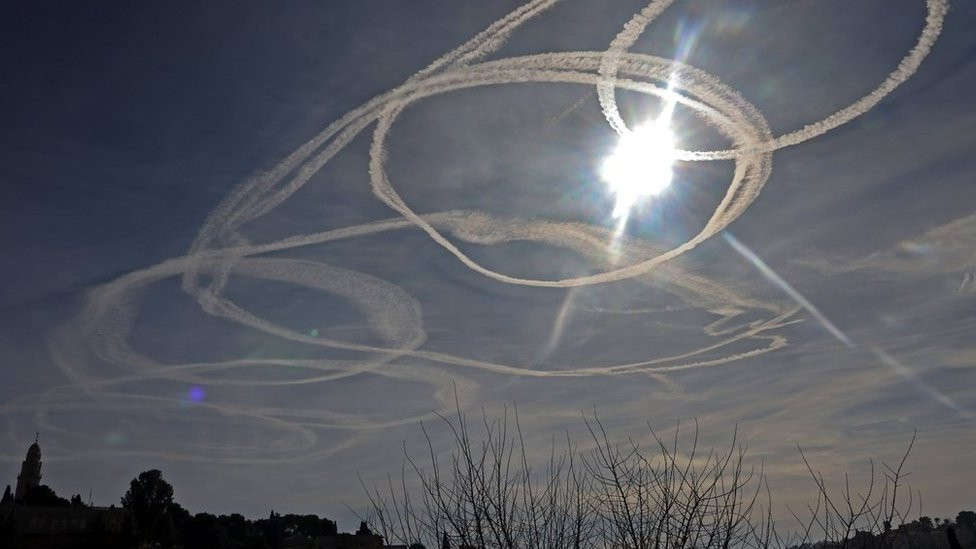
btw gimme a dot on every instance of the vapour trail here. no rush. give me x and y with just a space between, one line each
488 40
222 250
611 60
384 190
112 303
559 325
482 44
110 313
110 319
968 280
936 12
731 115
911 376
886 359
774 277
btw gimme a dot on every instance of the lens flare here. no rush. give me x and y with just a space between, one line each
642 165
196 394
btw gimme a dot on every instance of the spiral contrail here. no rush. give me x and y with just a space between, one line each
106 372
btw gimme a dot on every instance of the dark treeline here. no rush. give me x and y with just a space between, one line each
485 495
923 533
150 517
154 519
179 528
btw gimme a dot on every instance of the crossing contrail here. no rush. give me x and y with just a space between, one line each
899 368
106 372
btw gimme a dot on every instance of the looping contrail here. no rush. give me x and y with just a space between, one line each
106 373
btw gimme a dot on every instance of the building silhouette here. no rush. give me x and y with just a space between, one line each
30 471
34 517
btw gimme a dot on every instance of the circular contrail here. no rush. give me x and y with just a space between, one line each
399 351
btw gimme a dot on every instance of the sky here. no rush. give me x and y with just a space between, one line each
255 244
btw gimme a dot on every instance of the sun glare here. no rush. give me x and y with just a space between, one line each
641 165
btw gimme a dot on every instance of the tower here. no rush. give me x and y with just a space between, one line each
30 471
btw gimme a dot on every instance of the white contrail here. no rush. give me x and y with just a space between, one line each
739 121
222 252
488 40
908 65
109 311
884 357
911 376
773 277
110 303
606 88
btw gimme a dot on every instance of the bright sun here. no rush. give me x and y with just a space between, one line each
641 165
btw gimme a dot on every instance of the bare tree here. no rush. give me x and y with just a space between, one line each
488 495
862 518
667 494
663 497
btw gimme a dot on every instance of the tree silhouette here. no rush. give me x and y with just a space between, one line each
661 494
952 539
926 524
148 499
44 496
966 519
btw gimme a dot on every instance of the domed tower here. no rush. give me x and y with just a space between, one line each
30 471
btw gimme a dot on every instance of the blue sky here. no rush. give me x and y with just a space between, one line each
131 130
